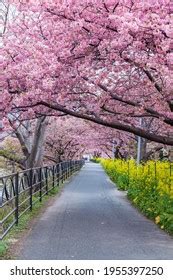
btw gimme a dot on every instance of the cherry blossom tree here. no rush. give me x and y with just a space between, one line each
65 139
105 61
71 138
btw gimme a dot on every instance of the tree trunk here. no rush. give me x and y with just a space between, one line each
31 141
35 158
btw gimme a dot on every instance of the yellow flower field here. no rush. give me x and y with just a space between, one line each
149 186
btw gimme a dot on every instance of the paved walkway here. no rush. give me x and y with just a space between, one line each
93 220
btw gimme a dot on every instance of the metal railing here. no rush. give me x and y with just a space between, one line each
19 192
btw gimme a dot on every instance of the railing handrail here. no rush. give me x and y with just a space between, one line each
38 167
33 183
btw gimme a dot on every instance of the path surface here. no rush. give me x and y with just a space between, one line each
93 220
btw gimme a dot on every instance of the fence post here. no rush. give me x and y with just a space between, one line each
65 170
58 174
40 182
46 174
68 168
71 168
63 179
73 165
30 189
17 198
53 177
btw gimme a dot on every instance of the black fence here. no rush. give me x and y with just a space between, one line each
19 192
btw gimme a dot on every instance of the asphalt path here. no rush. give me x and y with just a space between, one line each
93 220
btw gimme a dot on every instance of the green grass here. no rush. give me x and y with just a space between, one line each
24 223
